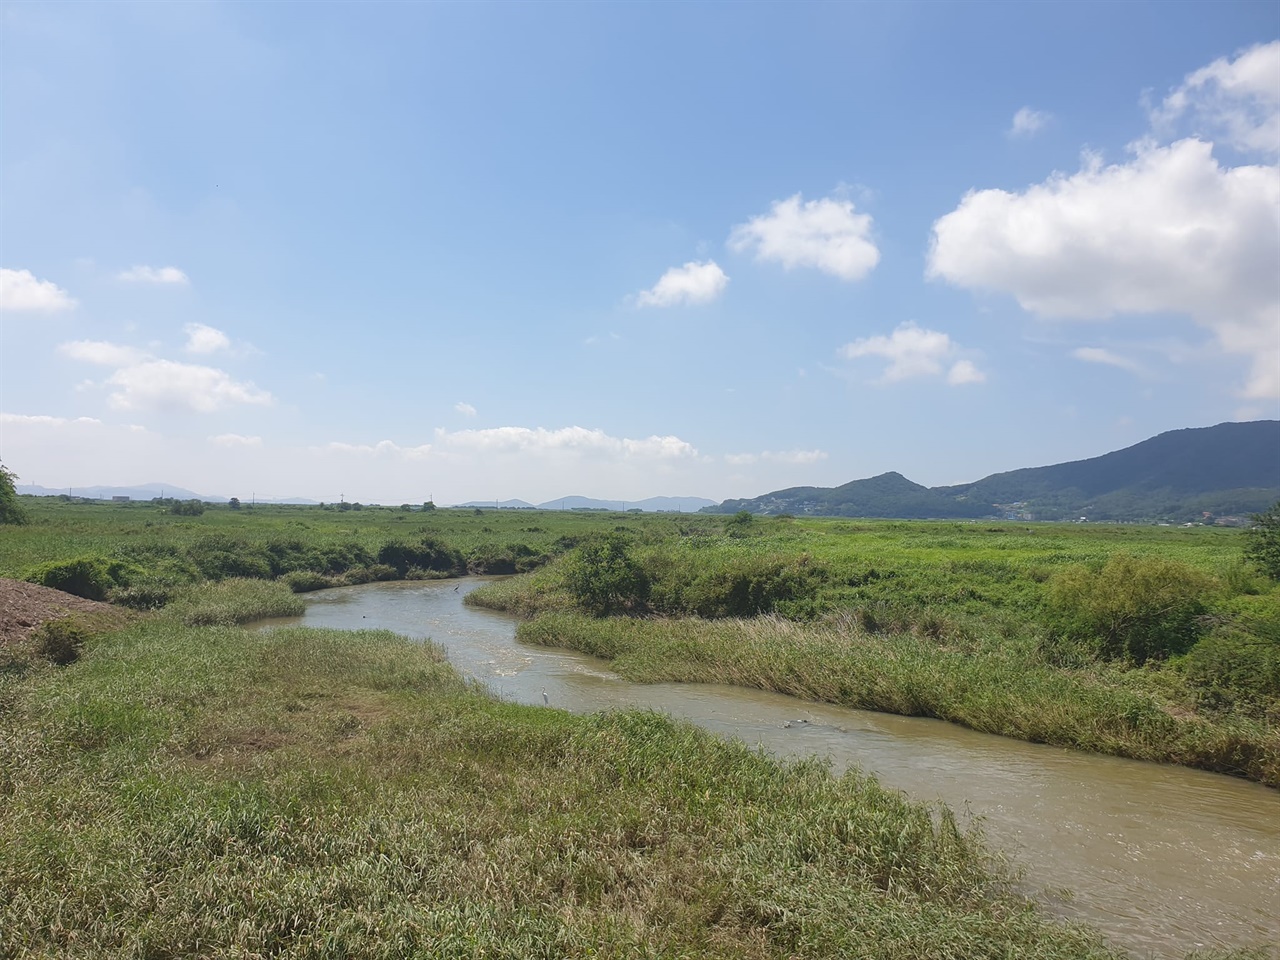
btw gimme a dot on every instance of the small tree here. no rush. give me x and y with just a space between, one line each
1262 542
10 511
234 503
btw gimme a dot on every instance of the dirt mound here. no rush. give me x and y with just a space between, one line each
24 606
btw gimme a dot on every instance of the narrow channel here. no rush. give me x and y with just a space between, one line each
1162 859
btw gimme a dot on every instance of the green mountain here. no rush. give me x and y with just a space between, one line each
1231 469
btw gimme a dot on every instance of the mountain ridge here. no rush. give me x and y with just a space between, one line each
1229 468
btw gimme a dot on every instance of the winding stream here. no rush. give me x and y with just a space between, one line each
1162 859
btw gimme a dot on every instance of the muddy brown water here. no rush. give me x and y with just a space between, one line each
1162 859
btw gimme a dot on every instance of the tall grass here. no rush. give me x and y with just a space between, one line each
994 684
216 791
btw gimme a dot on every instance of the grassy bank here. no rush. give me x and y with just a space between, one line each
998 686
216 791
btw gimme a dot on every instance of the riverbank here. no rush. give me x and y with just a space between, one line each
213 790
996 687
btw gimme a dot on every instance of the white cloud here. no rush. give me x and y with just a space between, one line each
1105 357
167 385
566 439
963 372
780 456
235 440
1028 122
827 234
205 339
913 351
20 290
1236 100
466 409
693 283
1168 232
159 275
101 352
18 419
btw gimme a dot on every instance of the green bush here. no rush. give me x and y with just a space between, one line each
219 557
603 578
89 577
1262 542
1133 608
1232 668
428 554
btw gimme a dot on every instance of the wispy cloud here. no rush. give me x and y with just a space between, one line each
1028 122
101 352
20 290
692 283
1106 357
154 275
235 440
466 409
166 385
779 456
828 235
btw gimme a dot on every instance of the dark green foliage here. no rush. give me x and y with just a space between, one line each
493 558
234 503
10 511
186 508
88 577
427 554
219 556
1233 668
304 581
60 641
1262 542
1133 608
743 586
604 578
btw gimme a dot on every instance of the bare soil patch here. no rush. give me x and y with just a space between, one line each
24 606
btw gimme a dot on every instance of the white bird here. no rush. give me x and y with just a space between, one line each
545 701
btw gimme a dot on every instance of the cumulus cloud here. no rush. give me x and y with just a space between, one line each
827 234
158 275
1169 231
466 409
205 339
913 351
101 352
235 440
691 284
1028 122
20 290
1236 101
779 456
1105 357
166 385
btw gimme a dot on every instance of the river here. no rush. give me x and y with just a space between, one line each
1162 859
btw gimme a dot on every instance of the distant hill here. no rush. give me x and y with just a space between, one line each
147 491
498 504
1229 469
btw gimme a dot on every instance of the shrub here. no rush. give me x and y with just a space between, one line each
603 577
1135 608
428 554
1262 542
219 557
1232 667
88 577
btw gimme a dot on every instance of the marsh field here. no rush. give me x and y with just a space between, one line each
181 784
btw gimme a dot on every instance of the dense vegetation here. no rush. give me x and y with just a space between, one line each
1229 469
188 786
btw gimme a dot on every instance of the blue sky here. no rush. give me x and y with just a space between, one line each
486 251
